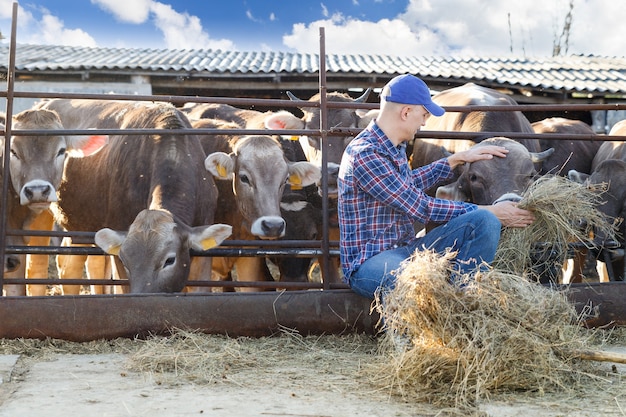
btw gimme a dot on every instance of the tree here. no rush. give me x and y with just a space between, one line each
561 42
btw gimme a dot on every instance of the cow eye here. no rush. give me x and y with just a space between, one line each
62 152
169 261
244 178
473 177
14 154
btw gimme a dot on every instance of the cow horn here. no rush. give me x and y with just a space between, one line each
541 156
292 97
363 97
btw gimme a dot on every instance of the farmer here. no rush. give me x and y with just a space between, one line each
380 197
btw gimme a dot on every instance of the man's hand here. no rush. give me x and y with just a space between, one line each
510 215
477 153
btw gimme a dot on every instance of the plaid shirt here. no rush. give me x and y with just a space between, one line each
380 197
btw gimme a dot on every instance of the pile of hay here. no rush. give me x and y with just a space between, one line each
565 212
499 332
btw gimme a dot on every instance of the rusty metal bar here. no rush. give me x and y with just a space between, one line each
93 317
325 266
235 314
7 143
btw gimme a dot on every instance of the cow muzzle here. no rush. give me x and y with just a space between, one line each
37 194
268 227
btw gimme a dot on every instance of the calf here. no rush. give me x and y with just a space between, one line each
160 173
36 166
252 172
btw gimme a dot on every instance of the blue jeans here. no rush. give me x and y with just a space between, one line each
474 235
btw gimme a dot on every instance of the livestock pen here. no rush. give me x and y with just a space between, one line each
309 308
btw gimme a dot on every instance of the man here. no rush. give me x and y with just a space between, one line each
380 197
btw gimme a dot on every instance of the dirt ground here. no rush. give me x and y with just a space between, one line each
281 376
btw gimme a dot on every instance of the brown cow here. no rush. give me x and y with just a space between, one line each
162 173
302 217
36 168
252 172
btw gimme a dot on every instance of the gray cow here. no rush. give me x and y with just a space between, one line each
148 196
609 169
36 165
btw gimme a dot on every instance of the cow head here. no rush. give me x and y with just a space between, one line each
155 250
337 118
482 182
36 162
259 172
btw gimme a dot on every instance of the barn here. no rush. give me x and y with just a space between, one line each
561 80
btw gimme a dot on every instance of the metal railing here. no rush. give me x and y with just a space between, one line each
323 248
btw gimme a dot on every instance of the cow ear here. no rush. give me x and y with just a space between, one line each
221 165
576 176
110 241
79 146
206 237
283 120
302 174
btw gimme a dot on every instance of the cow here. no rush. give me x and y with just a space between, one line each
335 145
568 153
488 181
301 208
483 182
36 166
427 150
609 170
251 173
147 197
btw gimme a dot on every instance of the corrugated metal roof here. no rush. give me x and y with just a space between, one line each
572 73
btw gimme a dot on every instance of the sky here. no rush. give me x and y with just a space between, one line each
375 27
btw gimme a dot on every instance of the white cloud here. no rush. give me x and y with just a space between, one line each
183 31
48 29
353 36
52 31
130 11
324 10
471 27
529 27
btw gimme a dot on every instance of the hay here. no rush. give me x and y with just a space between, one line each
191 356
497 333
565 212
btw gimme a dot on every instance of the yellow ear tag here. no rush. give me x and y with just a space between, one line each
295 181
221 171
208 243
114 250
294 138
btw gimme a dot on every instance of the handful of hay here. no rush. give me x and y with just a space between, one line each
499 332
565 212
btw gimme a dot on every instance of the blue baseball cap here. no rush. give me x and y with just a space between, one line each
408 89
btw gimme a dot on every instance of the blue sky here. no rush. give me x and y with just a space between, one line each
394 27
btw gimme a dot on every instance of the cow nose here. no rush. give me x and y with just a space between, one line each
273 227
37 191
